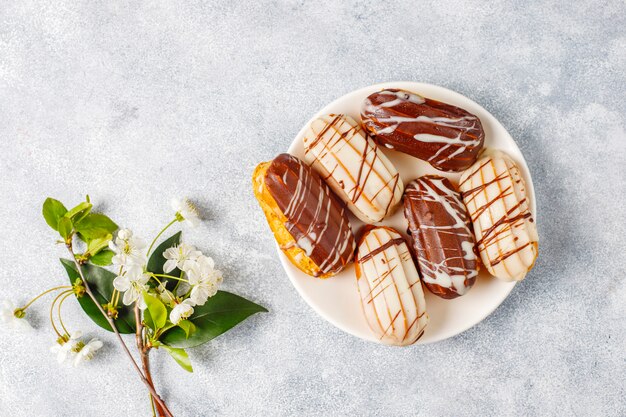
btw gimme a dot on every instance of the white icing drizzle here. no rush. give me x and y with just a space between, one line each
401 97
438 272
310 238
463 124
468 251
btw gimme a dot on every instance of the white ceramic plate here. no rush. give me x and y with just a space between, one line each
337 298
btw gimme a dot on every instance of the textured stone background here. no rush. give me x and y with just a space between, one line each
136 102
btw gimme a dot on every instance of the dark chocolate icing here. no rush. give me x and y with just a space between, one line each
442 238
446 136
316 218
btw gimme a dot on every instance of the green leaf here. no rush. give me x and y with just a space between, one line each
100 281
79 212
96 245
102 258
157 310
65 227
147 319
187 326
221 313
95 225
52 211
180 356
156 261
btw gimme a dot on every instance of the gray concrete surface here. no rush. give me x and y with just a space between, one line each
134 102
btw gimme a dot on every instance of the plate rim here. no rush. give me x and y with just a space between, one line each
411 86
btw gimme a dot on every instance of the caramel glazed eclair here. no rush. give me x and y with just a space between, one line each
495 195
338 148
389 285
309 222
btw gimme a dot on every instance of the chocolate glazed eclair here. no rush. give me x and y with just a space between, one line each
443 241
309 222
447 137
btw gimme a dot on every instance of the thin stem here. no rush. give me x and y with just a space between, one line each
159 235
143 378
114 298
152 405
67 294
168 276
178 283
60 287
56 330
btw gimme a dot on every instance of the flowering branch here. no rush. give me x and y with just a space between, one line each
167 297
143 378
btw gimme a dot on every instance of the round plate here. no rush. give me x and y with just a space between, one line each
337 298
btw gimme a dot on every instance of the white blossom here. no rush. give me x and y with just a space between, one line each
86 352
186 211
182 257
9 318
181 311
65 346
129 249
133 282
204 280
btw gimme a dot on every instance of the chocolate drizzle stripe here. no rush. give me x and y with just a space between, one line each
505 193
476 190
414 321
509 253
502 232
391 324
359 186
381 248
394 312
323 132
378 293
379 317
476 171
380 279
394 280
395 287
504 220
392 284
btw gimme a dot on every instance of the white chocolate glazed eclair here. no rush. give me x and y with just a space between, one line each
352 165
495 195
390 288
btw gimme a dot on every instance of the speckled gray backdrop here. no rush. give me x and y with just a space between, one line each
133 102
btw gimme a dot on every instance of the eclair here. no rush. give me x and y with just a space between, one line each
354 167
440 229
506 235
390 288
309 222
447 137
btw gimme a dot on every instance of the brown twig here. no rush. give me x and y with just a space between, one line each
143 378
144 352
